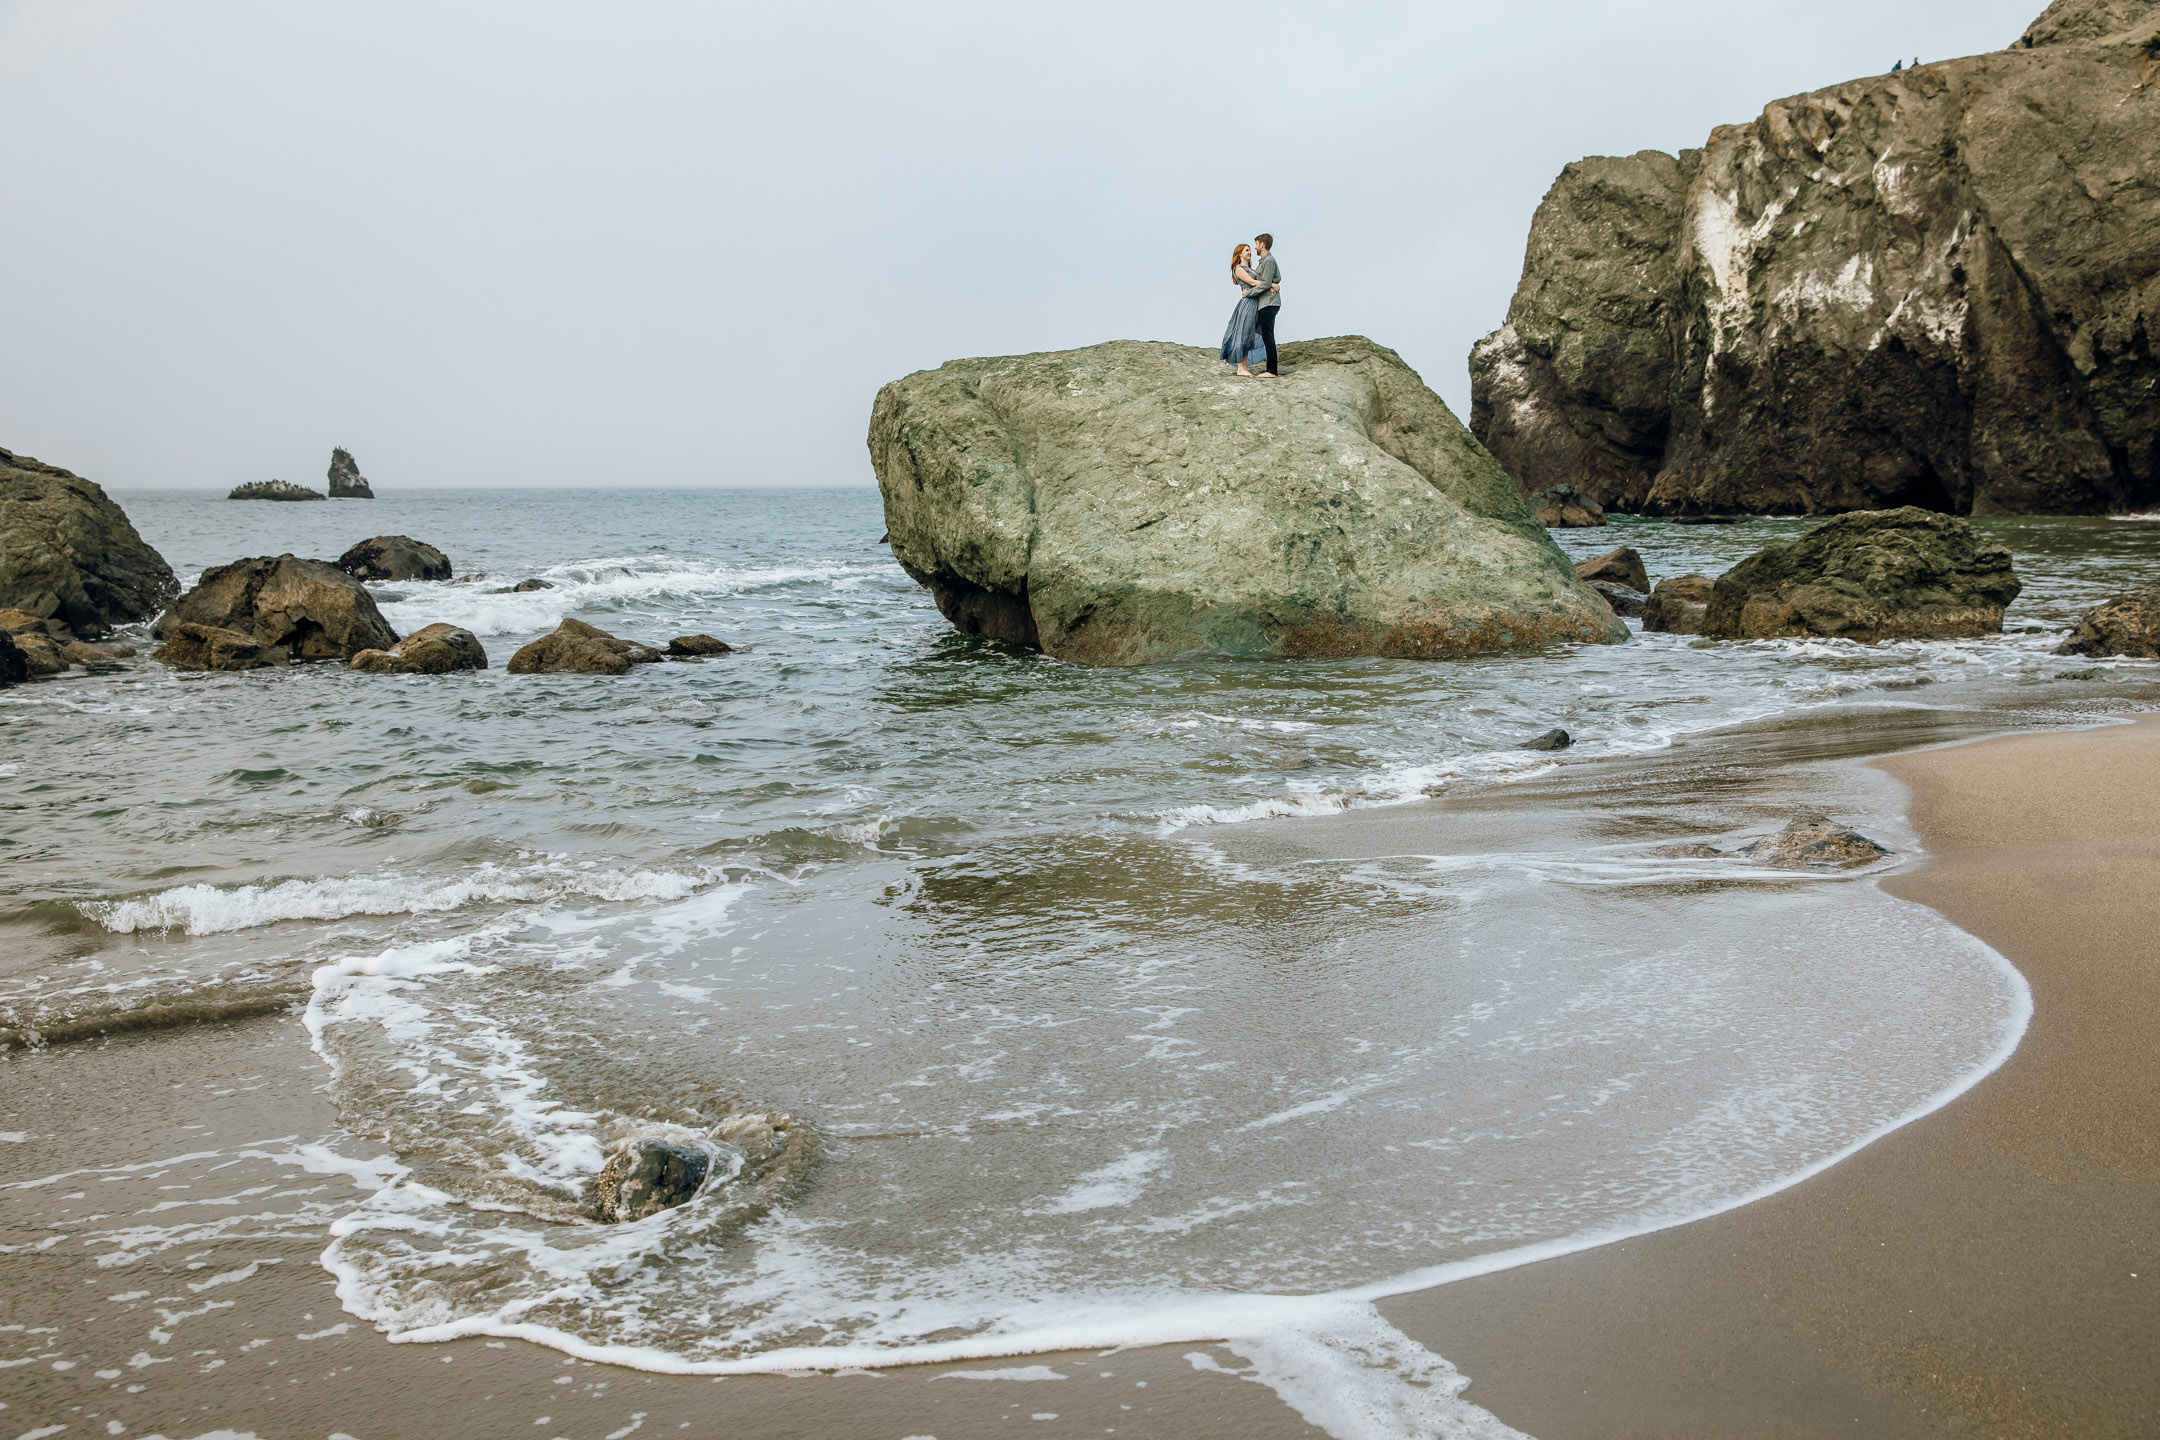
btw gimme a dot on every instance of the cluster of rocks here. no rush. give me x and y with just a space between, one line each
576 648
1931 288
71 568
273 490
346 483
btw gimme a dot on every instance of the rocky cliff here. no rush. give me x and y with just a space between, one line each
346 481
1132 501
1936 288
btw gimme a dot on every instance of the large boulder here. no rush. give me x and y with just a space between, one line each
273 490
432 650
67 552
576 648
346 481
1622 565
394 557
695 647
1931 288
189 646
310 608
2127 625
1129 502
1870 575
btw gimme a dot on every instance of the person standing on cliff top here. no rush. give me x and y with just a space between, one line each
1268 274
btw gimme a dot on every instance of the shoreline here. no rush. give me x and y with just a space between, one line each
1991 1268
1502 1297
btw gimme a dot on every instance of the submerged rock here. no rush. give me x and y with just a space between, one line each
648 1176
394 557
190 646
576 648
1563 507
1625 601
1678 604
432 650
2127 625
1815 843
1621 565
1128 503
686 647
1555 739
525 587
68 553
1870 575
1930 288
273 490
310 608
346 481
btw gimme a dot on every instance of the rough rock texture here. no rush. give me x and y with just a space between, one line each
311 608
42 653
1871 575
1563 507
1127 503
689 647
68 553
1936 288
1621 565
431 650
346 481
273 490
14 665
575 648
1626 601
1677 606
2127 625
1550 740
648 1176
394 557
189 646
1814 843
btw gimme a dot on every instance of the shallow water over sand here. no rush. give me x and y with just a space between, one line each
1042 1003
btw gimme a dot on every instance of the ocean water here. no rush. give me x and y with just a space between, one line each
1025 1006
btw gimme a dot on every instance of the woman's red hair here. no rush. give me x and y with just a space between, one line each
1237 255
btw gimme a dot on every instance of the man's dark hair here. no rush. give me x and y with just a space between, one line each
1267 240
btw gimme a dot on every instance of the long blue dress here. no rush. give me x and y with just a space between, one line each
1242 339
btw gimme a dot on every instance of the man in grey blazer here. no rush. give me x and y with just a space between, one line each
1268 275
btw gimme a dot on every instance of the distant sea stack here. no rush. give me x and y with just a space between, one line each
1134 501
273 490
1936 288
69 554
346 481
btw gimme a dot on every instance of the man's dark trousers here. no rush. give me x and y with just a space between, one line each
1267 334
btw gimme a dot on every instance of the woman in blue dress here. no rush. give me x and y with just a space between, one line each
1238 340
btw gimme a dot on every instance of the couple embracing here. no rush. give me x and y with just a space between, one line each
1259 285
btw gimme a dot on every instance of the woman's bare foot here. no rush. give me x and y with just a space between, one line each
1269 375
1247 374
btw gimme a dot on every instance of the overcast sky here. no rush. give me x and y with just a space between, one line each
683 244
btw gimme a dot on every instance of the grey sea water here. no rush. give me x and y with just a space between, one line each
1033 1005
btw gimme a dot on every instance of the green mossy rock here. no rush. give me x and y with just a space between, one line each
1134 501
1900 574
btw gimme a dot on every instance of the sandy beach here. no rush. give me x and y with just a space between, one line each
1987 1270
1992 1269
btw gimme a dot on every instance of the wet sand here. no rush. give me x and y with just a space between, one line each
1970 1274
1992 1269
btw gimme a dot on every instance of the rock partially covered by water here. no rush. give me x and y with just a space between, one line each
1870 575
1930 288
1622 566
312 609
1624 601
576 648
273 490
14 665
2127 625
394 557
346 481
647 1176
68 553
1815 843
690 647
189 646
1678 604
1563 507
1128 502
432 650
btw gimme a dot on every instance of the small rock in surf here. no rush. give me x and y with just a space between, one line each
687 647
1551 740
648 1176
